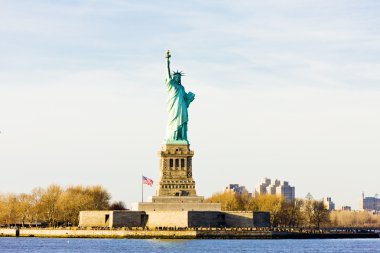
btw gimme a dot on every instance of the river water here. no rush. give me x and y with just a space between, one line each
48 245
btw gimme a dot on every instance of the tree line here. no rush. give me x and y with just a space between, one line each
298 213
354 219
59 206
54 205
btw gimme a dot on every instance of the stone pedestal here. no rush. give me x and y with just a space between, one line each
176 175
176 187
174 204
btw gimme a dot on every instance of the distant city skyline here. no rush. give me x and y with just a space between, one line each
285 90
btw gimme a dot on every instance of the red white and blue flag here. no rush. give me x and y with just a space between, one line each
146 180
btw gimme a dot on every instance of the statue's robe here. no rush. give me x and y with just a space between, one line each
177 103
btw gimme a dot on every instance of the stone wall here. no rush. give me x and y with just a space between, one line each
128 219
261 219
119 218
238 219
220 219
94 218
199 219
167 219
206 219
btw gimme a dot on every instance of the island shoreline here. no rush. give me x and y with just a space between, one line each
179 234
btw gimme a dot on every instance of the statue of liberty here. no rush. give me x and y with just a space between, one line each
177 103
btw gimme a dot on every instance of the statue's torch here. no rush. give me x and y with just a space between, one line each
168 54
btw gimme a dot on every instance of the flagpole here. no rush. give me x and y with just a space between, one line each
142 189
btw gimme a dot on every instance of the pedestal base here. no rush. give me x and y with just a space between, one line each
169 203
175 199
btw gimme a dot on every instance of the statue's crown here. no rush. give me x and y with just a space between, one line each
180 73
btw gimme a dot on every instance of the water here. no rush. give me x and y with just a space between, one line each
48 245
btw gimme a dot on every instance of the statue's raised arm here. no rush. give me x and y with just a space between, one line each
168 64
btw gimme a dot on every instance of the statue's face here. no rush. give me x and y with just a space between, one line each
177 78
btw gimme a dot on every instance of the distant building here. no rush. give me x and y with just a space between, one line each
261 188
276 187
370 203
237 189
287 191
328 203
345 208
272 188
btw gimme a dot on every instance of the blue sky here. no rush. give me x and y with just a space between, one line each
284 89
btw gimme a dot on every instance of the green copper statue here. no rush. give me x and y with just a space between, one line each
177 103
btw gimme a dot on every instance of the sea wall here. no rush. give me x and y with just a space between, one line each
72 233
181 234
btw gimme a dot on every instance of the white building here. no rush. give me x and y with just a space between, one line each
276 187
262 187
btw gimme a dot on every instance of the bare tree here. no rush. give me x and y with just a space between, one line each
49 204
320 214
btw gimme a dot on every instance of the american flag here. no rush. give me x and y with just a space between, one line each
146 180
